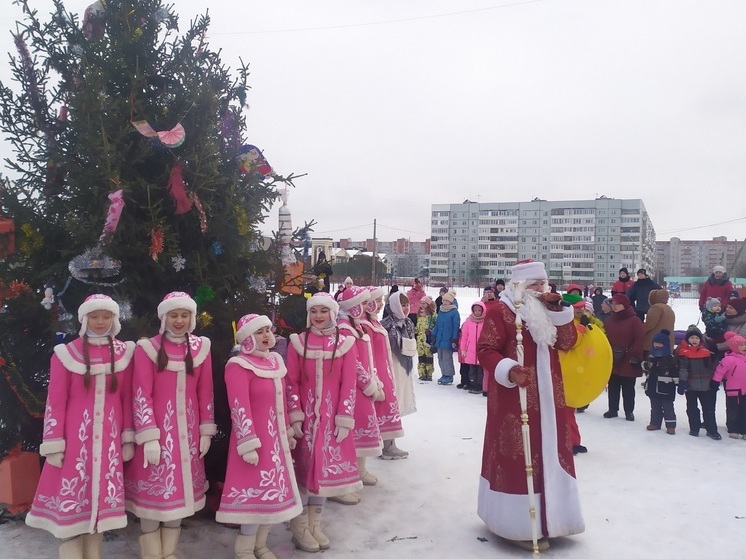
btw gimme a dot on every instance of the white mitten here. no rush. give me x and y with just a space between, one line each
251 457
292 443
297 429
55 459
128 451
379 396
204 445
152 453
341 433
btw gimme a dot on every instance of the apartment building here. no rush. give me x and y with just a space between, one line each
697 258
583 241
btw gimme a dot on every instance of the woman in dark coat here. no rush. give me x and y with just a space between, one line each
625 333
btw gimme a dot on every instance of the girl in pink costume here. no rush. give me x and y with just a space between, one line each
732 370
367 435
387 410
260 488
321 400
88 434
174 424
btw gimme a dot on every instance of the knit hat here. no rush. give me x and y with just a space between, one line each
99 302
352 300
322 299
572 298
487 288
739 305
642 271
692 331
574 286
624 270
248 325
734 295
348 279
500 282
449 297
177 300
621 299
712 302
662 337
734 340
720 269
526 270
589 306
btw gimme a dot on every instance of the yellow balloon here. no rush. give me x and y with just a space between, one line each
586 368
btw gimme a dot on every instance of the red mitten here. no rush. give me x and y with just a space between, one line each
521 375
551 301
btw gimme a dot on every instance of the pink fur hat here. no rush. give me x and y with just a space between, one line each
248 325
734 340
99 302
177 300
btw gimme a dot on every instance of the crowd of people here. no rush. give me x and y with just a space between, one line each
127 425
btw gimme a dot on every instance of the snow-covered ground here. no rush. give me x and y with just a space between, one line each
644 494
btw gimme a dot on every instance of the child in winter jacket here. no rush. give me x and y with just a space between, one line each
696 365
445 337
732 370
470 331
426 317
663 374
714 319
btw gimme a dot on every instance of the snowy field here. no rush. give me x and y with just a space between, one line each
644 494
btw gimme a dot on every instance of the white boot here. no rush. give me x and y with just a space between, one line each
392 452
302 537
244 547
169 541
314 524
346 499
261 551
92 545
150 545
365 476
72 549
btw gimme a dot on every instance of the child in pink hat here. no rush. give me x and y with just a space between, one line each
732 369
174 418
321 402
260 487
88 434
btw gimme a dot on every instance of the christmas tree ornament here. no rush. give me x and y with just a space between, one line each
178 262
94 267
170 138
204 319
177 189
204 294
125 310
31 241
113 215
217 248
242 221
257 284
48 299
251 160
156 242
94 21
201 211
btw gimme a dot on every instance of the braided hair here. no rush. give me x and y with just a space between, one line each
113 383
162 358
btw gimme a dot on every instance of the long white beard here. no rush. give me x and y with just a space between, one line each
534 314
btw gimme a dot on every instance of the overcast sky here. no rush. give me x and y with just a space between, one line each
390 106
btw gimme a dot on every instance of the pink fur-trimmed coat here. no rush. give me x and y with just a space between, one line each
367 432
85 495
387 410
266 493
174 408
321 394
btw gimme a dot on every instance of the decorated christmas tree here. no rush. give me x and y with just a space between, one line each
132 176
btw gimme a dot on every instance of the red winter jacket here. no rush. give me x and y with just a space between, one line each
719 289
621 286
625 334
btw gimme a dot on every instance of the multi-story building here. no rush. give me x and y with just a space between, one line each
697 258
583 241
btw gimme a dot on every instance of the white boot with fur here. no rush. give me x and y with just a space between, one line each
72 548
314 524
261 551
244 547
302 537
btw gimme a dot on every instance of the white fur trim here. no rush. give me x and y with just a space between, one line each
344 421
247 446
51 446
102 303
560 318
208 429
311 351
528 271
271 367
148 345
354 301
252 326
63 353
173 303
502 370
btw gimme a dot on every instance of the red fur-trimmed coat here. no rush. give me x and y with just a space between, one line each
85 495
503 491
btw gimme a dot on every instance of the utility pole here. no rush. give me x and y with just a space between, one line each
375 253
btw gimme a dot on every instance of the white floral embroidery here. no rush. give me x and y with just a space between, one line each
143 412
49 422
195 342
199 477
331 463
241 423
114 479
161 478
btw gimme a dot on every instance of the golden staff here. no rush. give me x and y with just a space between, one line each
517 295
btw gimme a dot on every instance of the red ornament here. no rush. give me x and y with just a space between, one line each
156 242
177 189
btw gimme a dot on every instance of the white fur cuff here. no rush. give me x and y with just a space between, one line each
502 370
50 447
208 429
344 421
560 318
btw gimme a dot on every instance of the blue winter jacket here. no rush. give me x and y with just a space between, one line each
446 329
